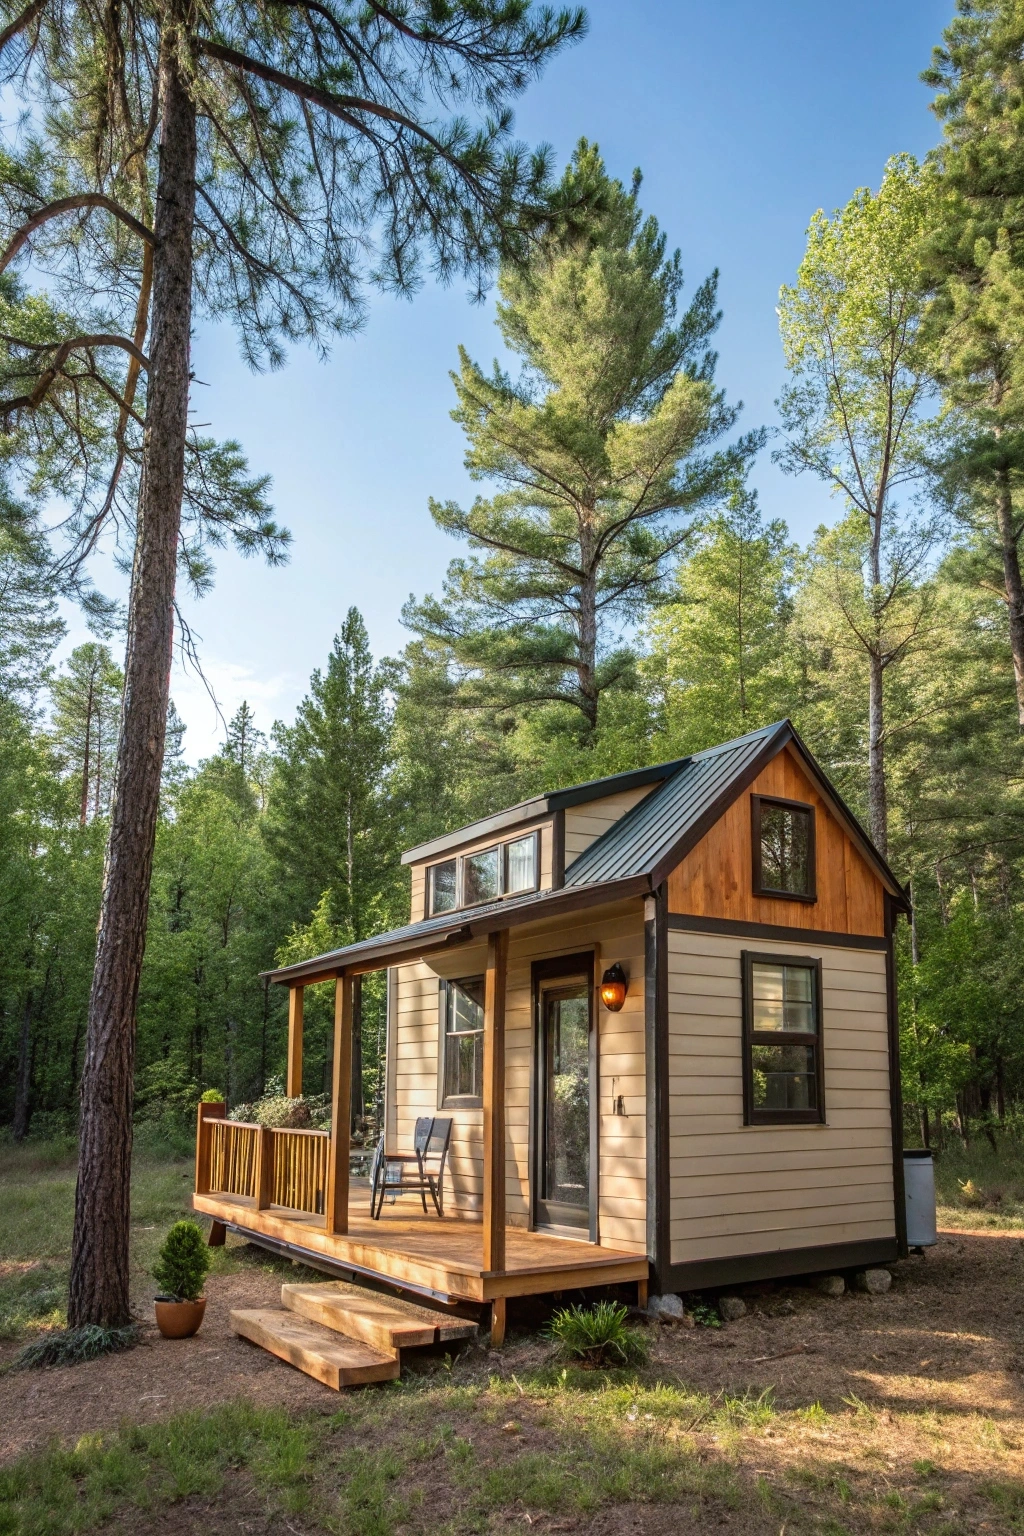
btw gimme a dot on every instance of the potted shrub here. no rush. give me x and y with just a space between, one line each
180 1271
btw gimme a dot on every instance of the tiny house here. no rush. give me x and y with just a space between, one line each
659 1011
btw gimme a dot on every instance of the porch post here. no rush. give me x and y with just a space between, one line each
336 1203
494 1102
293 1086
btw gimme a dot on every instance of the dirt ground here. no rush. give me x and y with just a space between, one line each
948 1337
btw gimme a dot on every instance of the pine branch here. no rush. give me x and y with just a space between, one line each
65 205
20 23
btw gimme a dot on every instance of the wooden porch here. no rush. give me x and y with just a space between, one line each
275 1185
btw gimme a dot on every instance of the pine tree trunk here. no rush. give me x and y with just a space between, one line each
877 800
586 669
1013 583
100 1249
83 814
19 1130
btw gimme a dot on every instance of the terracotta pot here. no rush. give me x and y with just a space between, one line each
179 1319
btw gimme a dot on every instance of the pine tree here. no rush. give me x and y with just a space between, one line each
86 712
329 823
720 656
30 625
976 264
238 161
601 449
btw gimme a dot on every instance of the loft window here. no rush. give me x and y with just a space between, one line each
783 1067
504 869
443 881
462 1041
783 847
521 865
481 876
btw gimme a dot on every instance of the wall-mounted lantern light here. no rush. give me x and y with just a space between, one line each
613 988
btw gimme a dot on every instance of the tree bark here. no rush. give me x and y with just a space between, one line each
586 667
19 1130
1009 545
878 809
84 809
100 1248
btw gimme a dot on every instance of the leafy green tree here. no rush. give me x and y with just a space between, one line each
237 161
976 268
855 415
601 449
720 652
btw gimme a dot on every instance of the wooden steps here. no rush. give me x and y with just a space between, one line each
372 1318
330 1357
342 1336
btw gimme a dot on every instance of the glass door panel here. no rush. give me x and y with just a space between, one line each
564 1111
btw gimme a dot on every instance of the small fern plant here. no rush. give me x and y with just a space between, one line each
598 1336
183 1262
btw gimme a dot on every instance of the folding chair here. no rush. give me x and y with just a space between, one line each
419 1171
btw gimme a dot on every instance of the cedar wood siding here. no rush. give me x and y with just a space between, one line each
619 932
736 1189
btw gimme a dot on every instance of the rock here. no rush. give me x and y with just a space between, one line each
668 1309
830 1285
731 1309
875 1281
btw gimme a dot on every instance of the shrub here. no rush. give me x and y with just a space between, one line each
183 1262
598 1335
211 1096
69 1346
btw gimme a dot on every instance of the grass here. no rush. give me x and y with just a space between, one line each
976 1187
598 1335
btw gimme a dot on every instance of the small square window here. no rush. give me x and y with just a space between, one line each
521 865
481 876
782 1060
783 848
443 896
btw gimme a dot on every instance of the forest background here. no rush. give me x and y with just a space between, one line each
620 600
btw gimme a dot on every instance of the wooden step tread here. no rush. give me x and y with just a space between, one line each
364 1315
336 1360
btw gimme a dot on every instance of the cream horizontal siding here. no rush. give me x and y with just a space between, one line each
584 824
412 1076
737 1189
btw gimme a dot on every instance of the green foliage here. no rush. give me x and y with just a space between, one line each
598 1336
705 1315
211 1096
70 1346
184 1262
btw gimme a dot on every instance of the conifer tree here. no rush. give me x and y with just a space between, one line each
976 264
720 652
601 449
236 160
86 712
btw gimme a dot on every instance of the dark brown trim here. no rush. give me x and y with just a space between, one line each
751 1116
581 963
558 850
701 1274
714 812
895 1078
756 845
733 929
656 1055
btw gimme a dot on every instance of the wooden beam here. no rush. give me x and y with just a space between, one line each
264 1168
494 1102
296 996
497 1322
341 1109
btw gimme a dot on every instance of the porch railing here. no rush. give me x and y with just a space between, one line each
271 1166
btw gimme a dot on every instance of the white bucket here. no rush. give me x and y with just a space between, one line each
919 1182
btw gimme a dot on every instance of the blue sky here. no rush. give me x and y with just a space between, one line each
744 118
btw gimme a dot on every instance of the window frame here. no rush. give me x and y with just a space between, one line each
757 872
459 859
453 1100
751 1116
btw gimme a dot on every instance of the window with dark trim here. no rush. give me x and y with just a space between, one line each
783 1068
487 874
783 848
461 1065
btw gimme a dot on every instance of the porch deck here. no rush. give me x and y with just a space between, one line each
441 1256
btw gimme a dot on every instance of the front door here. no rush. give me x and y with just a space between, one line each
564 1117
